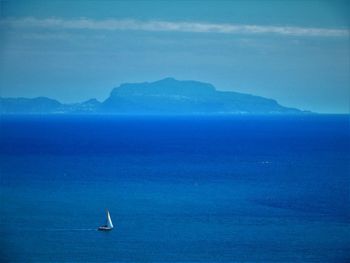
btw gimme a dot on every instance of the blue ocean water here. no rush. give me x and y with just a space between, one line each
179 189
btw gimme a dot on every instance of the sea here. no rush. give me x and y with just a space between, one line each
178 188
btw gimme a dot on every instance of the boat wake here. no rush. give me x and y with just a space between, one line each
70 229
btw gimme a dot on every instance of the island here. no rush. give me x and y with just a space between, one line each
166 96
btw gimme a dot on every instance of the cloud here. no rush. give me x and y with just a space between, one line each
167 26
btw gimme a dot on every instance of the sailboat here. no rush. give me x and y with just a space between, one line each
109 225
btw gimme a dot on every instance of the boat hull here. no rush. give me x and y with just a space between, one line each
104 228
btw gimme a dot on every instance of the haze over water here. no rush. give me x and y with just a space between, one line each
204 189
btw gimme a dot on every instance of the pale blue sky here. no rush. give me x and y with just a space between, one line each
296 52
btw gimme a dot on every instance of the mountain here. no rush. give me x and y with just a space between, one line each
25 105
166 96
172 96
43 105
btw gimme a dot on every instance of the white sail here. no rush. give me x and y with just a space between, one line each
109 220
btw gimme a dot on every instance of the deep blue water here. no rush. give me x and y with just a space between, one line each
179 189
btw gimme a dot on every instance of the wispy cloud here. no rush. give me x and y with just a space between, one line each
167 26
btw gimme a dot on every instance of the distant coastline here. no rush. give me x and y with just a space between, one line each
164 97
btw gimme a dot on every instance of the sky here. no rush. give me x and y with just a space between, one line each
297 52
